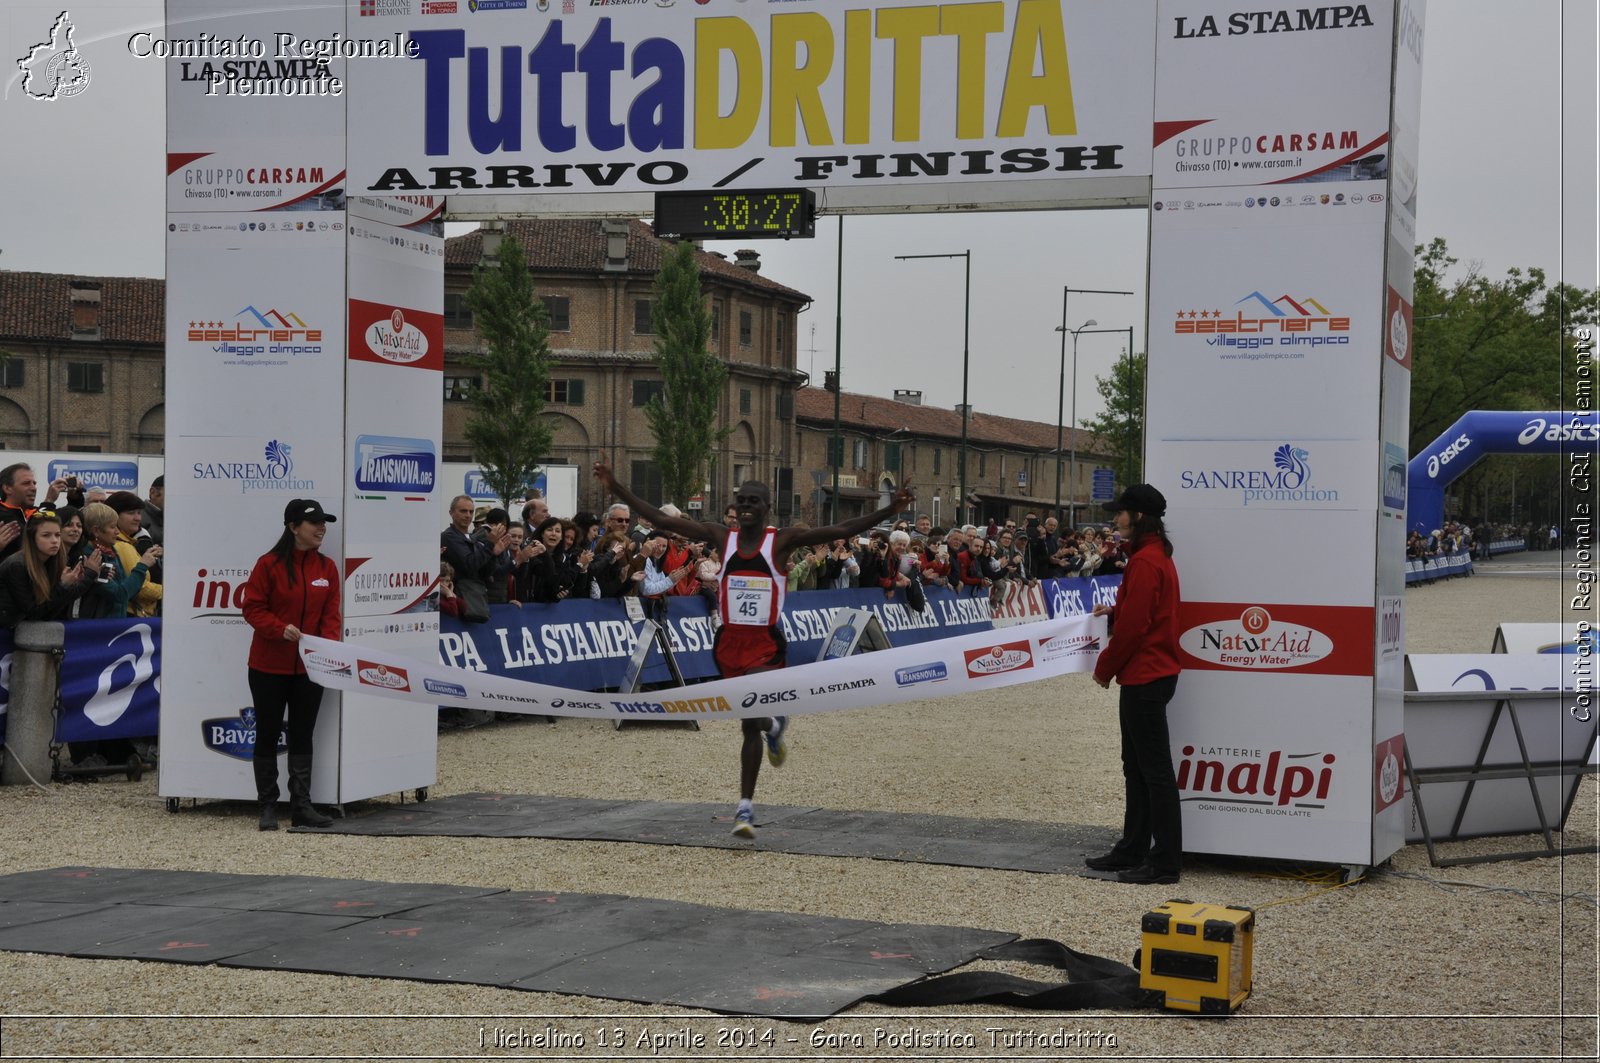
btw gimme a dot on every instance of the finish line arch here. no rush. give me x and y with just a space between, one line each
305 264
1474 437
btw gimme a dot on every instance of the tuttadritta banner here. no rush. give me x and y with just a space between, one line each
494 96
983 660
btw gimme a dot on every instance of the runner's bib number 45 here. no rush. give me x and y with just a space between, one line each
750 600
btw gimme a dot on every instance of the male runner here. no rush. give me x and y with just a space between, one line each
751 587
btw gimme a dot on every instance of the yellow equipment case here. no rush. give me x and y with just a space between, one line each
1196 957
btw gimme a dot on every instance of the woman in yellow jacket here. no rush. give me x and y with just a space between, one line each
129 509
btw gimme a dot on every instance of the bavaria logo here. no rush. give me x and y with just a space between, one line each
395 340
275 472
934 672
394 465
449 690
1286 481
235 736
111 475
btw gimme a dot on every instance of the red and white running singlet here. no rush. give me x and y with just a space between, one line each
752 589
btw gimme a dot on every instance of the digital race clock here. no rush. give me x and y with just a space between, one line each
750 213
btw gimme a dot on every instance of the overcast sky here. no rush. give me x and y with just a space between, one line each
1507 176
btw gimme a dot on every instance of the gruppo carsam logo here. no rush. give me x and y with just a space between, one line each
395 465
54 69
1286 480
274 471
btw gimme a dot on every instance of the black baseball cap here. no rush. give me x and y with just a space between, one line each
1139 498
304 509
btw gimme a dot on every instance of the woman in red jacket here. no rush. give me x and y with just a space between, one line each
1142 655
292 590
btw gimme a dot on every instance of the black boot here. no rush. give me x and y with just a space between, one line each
266 769
301 812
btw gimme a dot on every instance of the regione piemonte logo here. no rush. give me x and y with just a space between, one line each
54 69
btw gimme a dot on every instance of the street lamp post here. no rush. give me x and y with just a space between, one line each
1062 388
966 410
1073 474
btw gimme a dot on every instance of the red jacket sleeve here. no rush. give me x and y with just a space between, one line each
332 627
257 596
1131 618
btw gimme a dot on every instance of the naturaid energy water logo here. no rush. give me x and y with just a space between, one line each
380 675
1255 641
995 660
54 69
394 340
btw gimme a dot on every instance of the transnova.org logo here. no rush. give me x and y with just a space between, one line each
54 69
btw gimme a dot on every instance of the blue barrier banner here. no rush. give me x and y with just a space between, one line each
1458 563
584 645
110 680
1073 596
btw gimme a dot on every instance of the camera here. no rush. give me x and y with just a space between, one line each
72 483
108 572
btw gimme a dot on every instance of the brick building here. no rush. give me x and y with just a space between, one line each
86 371
1011 463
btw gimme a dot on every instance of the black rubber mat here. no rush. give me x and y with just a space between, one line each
1001 844
772 964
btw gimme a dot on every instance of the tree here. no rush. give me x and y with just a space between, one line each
684 414
1484 344
507 433
1120 426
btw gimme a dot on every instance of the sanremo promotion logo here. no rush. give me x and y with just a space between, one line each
1288 480
54 69
274 472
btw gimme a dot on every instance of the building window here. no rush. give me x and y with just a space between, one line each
858 453
716 322
460 388
457 314
778 334
645 390
11 373
937 456
744 401
564 393
641 318
86 376
745 325
647 481
891 457
560 308
835 450
983 464
83 448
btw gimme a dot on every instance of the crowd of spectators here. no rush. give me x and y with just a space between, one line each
488 558
77 553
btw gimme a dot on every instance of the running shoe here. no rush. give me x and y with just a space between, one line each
777 748
744 823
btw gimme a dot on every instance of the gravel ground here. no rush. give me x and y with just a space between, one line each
1492 960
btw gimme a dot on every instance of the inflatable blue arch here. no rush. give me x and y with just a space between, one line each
1479 434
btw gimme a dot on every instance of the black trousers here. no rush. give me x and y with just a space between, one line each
1152 825
274 695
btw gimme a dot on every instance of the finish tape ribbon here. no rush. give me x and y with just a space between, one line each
976 662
